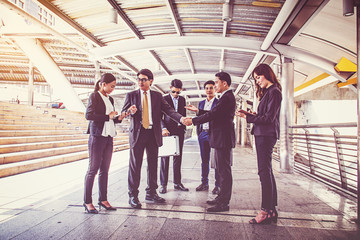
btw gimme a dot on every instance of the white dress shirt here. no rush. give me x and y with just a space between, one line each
109 126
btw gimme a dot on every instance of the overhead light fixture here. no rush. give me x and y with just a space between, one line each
113 16
348 8
226 17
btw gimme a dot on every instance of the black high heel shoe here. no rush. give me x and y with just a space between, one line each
93 211
107 208
274 215
266 220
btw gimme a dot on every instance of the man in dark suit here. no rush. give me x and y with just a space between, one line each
145 134
222 137
173 128
203 138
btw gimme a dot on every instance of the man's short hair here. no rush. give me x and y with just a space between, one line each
224 76
209 82
147 73
176 83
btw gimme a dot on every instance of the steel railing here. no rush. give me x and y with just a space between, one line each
326 151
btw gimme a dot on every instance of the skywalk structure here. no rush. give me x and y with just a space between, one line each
62 47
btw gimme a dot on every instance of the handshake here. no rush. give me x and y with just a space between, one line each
187 121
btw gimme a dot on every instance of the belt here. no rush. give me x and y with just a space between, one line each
205 130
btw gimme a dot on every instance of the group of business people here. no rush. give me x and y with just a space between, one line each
153 116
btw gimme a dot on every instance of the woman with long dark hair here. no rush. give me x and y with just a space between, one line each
266 129
102 116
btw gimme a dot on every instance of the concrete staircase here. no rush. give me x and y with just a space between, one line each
33 137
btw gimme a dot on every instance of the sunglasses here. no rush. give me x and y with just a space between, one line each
176 92
143 79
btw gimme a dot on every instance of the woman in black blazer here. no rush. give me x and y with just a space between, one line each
102 115
266 130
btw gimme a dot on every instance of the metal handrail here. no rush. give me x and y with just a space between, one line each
338 165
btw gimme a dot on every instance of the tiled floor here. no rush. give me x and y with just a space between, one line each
46 204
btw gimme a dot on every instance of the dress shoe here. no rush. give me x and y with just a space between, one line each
216 190
154 198
180 187
92 211
220 207
213 202
202 187
134 202
163 190
109 207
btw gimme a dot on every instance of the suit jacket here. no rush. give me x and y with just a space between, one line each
266 121
167 122
158 107
95 112
201 106
221 120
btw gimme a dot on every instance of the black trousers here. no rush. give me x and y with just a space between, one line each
264 149
146 142
222 156
100 153
164 168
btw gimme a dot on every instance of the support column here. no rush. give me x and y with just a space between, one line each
97 72
286 116
31 84
243 125
53 75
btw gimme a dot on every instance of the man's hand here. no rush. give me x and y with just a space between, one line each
132 109
123 115
192 108
186 121
165 132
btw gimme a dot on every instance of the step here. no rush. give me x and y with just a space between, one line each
41 127
35 164
20 147
34 139
54 121
39 153
17 133
10 148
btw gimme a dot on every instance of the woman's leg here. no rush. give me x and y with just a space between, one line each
264 149
95 155
104 168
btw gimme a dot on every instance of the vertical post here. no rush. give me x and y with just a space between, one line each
340 158
243 125
31 84
358 104
309 150
286 116
97 71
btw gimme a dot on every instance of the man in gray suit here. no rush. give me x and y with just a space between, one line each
145 134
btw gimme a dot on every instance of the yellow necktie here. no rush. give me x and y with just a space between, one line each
145 116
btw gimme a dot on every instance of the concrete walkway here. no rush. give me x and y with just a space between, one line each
46 204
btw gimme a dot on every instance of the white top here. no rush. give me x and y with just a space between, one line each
207 107
109 126
149 104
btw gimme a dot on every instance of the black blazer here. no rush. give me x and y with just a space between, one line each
221 120
158 107
266 121
95 112
169 123
201 106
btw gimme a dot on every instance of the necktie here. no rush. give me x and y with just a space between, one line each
145 115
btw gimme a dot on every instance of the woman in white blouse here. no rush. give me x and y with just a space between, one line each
102 115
